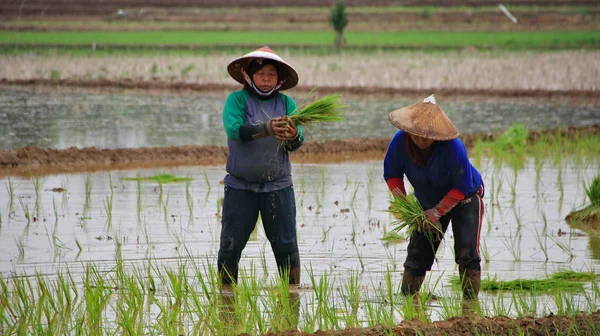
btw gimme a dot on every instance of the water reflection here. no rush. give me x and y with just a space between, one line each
66 119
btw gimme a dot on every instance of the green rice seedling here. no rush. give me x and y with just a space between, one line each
513 244
88 196
20 247
283 303
326 109
393 237
525 305
160 178
139 202
96 297
564 247
410 215
571 275
108 204
354 192
10 188
592 210
207 181
485 254
542 242
325 313
25 208
370 184
351 291
79 248
190 202
451 305
537 285
160 194
165 207
37 187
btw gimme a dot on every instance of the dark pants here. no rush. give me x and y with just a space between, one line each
240 213
466 220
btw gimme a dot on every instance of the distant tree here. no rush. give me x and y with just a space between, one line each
339 20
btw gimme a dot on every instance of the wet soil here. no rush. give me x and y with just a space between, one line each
153 20
41 161
581 324
458 93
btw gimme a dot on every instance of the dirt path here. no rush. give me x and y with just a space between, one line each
581 324
41 161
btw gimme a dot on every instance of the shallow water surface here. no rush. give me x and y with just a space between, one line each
341 221
74 119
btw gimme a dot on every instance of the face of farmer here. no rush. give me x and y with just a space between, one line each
421 142
266 78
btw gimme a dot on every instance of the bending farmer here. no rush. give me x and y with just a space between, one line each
428 152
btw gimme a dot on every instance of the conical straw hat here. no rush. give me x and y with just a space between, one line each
286 71
425 119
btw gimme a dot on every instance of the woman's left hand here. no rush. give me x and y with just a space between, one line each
284 128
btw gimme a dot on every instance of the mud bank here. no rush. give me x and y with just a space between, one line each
581 324
42 161
567 96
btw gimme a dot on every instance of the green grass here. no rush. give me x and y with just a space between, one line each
162 178
511 40
565 280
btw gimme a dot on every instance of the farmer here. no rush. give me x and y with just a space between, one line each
427 150
259 180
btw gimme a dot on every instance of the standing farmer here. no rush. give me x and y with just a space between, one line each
427 150
259 136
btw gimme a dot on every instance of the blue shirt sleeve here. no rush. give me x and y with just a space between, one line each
460 167
393 163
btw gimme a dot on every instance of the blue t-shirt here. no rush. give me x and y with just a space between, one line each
448 168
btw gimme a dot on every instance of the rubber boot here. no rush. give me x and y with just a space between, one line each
471 282
411 283
295 276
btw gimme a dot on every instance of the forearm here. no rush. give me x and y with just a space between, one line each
252 132
294 144
396 186
452 198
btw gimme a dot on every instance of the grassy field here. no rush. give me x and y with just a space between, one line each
508 40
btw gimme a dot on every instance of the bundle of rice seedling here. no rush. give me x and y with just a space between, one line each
591 212
410 215
326 109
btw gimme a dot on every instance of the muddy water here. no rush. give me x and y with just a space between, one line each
341 220
65 119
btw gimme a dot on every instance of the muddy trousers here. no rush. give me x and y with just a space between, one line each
466 218
277 210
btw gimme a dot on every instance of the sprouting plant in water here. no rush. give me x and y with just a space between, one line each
513 244
88 195
592 210
10 188
37 187
190 201
25 208
139 202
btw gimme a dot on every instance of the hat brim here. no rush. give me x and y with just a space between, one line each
424 120
286 71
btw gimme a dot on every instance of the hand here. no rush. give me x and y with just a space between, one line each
434 217
283 128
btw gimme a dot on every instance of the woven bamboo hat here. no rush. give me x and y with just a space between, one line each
238 67
425 119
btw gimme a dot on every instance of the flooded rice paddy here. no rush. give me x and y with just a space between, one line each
65 119
341 217
57 223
